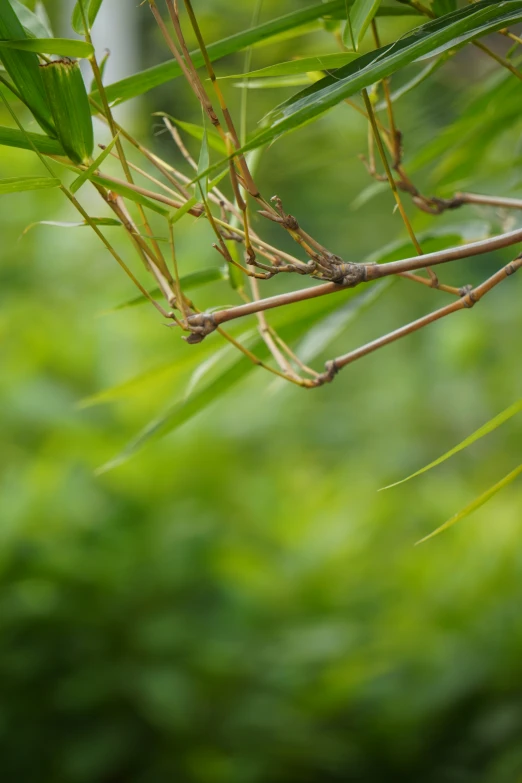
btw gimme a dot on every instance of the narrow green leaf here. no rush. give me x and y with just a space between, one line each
141 382
12 137
361 15
145 80
82 223
65 47
95 165
23 68
17 184
434 37
475 504
91 8
32 23
122 189
177 214
480 433
67 96
321 62
282 81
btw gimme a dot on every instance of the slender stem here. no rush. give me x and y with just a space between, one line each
365 273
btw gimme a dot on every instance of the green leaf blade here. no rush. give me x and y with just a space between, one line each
475 504
490 426
18 184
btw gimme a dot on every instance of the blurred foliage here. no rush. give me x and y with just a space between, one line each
238 604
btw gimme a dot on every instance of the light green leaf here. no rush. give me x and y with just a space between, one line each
65 47
13 137
267 84
17 184
126 190
490 426
106 221
95 165
475 504
31 22
361 15
321 62
91 8
146 80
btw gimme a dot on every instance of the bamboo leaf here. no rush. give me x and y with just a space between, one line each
23 69
322 62
17 184
84 176
146 80
65 47
67 96
122 189
490 426
290 326
452 30
91 8
282 81
31 22
106 221
361 15
12 137
475 504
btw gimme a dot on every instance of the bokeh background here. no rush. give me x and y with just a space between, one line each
238 603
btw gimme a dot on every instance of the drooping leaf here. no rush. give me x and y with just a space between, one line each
23 69
65 47
91 8
490 426
17 184
13 137
290 326
475 504
321 62
142 82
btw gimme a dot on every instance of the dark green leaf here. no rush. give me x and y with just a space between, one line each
146 80
65 47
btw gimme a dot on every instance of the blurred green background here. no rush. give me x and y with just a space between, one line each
238 603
